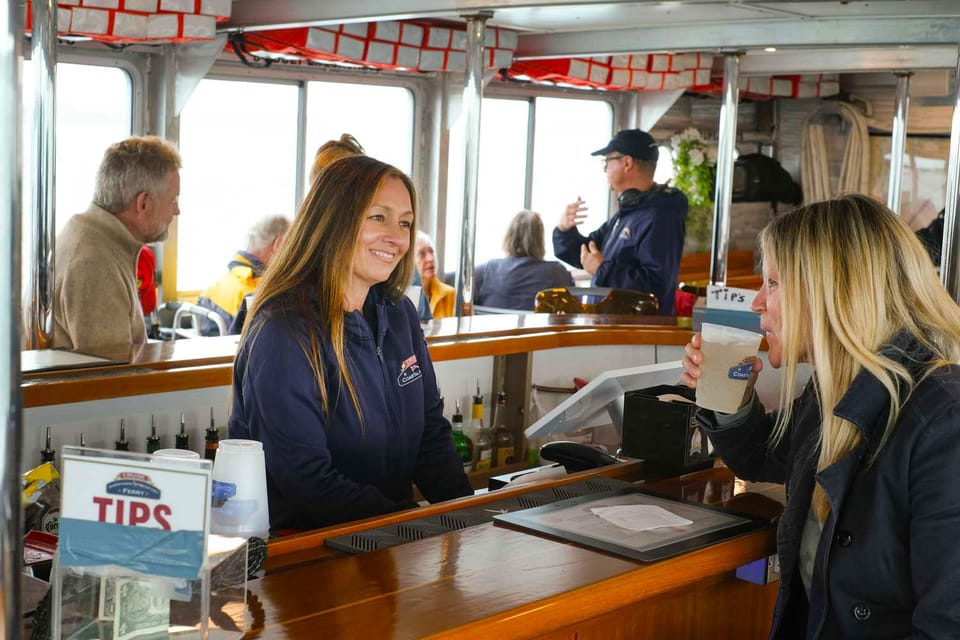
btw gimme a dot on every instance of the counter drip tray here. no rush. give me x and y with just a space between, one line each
403 532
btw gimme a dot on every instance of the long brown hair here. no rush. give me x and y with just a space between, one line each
308 276
852 275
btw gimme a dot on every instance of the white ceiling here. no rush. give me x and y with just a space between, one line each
876 35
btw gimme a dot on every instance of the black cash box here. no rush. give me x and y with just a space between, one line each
665 435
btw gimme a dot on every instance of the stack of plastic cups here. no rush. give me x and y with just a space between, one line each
240 490
183 454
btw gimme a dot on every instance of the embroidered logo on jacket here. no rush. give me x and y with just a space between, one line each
625 234
409 371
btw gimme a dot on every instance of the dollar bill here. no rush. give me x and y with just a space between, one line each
140 610
107 598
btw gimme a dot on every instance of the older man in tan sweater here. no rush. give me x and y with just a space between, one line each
95 282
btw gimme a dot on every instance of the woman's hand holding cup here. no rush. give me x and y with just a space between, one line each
693 359
691 362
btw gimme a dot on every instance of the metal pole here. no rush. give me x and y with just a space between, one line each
472 96
898 139
11 532
948 262
726 146
531 137
43 49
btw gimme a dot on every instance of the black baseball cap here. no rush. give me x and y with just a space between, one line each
632 142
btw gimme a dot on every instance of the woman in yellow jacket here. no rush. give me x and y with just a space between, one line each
442 296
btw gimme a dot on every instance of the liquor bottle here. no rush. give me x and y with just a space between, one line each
463 443
182 439
153 440
483 445
47 454
212 439
533 452
502 436
122 444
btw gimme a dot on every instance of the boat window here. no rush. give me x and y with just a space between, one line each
503 160
93 110
664 172
238 141
924 182
379 117
566 131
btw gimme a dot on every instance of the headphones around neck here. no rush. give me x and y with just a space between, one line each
631 198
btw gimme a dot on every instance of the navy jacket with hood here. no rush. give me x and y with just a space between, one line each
641 245
320 471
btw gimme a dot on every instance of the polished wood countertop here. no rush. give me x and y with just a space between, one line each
490 581
180 365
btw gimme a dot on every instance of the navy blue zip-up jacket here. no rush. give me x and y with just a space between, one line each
641 246
322 472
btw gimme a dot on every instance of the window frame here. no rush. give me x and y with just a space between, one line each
506 91
135 65
300 74
530 92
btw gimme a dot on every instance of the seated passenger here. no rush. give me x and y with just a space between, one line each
442 296
147 290
243 272
332 374
513 282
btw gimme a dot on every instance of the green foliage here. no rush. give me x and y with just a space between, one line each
694 166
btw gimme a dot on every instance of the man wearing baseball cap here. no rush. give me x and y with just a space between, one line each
639 248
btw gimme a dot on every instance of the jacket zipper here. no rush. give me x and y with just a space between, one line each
395 414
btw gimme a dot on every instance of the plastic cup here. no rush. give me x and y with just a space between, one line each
239 493
176 453
727 365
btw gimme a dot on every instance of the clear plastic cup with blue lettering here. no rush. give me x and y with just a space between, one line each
239 492
728 355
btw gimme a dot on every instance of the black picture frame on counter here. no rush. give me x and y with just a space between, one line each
572 520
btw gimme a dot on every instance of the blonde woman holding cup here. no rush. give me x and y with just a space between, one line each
870 449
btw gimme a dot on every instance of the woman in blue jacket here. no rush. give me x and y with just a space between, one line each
869 451
332 372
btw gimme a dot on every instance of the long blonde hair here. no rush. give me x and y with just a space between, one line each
308 277
853 275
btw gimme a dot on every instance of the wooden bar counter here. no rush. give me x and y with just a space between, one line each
208 362
489 581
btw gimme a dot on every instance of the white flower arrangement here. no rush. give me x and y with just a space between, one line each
694 165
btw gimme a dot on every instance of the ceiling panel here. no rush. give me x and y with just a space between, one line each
615 16
876 9
539 16
563 28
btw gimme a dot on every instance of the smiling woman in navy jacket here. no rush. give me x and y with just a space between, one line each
869 451
332 373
